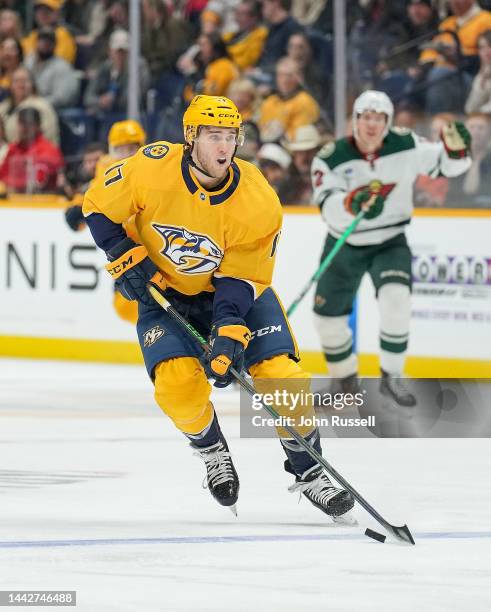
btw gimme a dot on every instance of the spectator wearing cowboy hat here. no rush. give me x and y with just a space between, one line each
302 148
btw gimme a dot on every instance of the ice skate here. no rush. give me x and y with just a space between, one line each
319 490
221 478
392 388
349 384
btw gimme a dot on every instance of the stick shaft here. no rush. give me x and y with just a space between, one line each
326 262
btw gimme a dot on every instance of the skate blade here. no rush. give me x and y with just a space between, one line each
346 519
233 509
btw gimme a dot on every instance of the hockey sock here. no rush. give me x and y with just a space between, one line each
299 461
210 435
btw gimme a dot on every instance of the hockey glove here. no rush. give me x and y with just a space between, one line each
456 140
75 218
228 340
372 203
131 268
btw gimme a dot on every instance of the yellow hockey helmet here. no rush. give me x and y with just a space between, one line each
126 132
211 110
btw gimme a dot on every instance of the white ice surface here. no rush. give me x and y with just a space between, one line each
99 494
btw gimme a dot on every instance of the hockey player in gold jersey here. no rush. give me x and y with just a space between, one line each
209 226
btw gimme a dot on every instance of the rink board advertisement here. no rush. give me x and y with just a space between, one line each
53 285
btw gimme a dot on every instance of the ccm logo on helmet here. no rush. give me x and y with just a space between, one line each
226 115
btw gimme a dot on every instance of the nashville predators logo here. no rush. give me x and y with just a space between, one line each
190 253
152 335
156 151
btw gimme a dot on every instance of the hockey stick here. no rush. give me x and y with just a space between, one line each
326 262
401 533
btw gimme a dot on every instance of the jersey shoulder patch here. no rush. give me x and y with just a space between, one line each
401 131
338 152
327 150
156 151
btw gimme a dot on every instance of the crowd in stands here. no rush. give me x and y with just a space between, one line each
64 81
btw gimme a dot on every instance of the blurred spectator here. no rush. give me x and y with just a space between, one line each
315 79
378 28
405 118
107 91
430 191
307 12
214 70
219 17
468 21
23 95
421 22
274 162
47 15
32 162
77 14
244 94
96 17
4 145
453 57
281 26
80 173
303 148
10 25
290 107
164 37
473 189
246 45
116 17
479 99
252 142
56 79
11 57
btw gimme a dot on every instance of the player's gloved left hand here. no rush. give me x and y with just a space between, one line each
456 139
372 203
131 268
228 340
75 218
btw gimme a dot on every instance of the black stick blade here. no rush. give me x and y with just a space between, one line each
403 534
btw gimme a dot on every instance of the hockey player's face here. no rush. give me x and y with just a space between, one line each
371 126
214 148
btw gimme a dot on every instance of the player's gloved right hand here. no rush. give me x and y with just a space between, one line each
229 339
75 218
131 268
456 139
372 203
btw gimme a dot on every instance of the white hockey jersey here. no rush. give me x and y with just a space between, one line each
340 168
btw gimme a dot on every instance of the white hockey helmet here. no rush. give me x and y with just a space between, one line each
372 100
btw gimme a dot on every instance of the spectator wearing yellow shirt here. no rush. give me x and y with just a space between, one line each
290 107
214 70
47 14
468 21
246 45
449 79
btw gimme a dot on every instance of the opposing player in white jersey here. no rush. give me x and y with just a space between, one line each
374 170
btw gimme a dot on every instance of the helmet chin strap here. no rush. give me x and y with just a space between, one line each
191 162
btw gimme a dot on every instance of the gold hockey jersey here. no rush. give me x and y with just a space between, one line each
190 233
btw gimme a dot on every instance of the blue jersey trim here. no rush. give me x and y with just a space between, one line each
105 232
233 298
